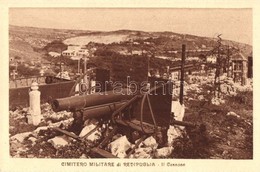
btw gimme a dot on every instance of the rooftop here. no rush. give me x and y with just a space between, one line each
239 56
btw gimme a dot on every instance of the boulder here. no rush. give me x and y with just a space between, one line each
90 126
163 152
15 145
83 156
173 133
201 97
36 131
142 153
21 136
119 147
150 142
233 114
58 142
217 101
32 139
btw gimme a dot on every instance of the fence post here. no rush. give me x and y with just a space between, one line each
182 73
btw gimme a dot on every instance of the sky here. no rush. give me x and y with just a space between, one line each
233 24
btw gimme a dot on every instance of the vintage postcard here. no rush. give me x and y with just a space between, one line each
149 86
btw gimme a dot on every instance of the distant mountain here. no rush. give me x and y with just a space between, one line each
26 41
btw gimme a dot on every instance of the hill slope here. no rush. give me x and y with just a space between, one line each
25 41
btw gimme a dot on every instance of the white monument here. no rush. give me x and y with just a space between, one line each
34 109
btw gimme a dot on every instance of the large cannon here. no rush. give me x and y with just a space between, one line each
137 116
143 113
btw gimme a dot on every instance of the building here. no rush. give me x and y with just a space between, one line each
75 50
82 52
239 68
69 53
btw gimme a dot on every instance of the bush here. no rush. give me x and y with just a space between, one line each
55 46
243 99
26 72
104 52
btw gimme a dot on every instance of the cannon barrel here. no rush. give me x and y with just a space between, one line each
101 110
80 102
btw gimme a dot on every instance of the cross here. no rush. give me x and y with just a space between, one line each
14 73
41 72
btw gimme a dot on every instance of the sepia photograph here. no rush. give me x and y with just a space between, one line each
158 86
130 83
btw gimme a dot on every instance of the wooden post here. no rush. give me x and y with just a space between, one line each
182 73
78 67
244 73
228 64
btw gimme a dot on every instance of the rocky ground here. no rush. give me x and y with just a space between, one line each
226 133
228 120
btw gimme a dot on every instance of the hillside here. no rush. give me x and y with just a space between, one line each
27 42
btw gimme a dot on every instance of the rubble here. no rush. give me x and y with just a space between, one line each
173 133
150 142
233 114
45 109
229 87
83 156
217 101
32 139
17 115
201 97
59 116
37 130
21 136
58 141
93 136
32 143
119 147
142 153
52 116
65 123
15 145
163 152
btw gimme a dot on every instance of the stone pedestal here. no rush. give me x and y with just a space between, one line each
34 116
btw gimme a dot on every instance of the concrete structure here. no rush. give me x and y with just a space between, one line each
34 116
